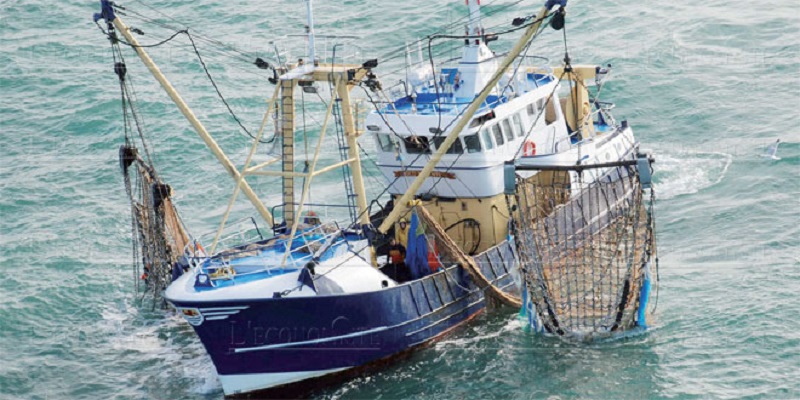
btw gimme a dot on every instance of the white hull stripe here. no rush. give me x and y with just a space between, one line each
233 384
204 309
212 313
315 341
209 313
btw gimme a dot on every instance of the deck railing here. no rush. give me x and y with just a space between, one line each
237 233
305 245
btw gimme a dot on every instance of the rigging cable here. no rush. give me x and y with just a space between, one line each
447 36
221 97
457 22
205 69
231 49
129 104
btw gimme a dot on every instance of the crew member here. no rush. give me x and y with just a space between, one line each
397 268
402 232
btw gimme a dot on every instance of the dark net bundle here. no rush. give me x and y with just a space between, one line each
159 239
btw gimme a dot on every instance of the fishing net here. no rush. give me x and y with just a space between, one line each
585 249
158 236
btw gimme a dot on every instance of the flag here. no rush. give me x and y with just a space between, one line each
417 251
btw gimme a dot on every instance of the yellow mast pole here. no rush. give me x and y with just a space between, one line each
196 124
309 177
401 206
287 152
351 134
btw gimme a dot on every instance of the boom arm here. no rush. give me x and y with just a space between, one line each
110 17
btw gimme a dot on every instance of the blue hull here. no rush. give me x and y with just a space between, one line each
340 332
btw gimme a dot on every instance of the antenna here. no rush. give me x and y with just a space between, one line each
310 32
474 28
408 67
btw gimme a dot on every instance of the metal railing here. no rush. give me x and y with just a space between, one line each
334 49
323 210
305 246
237 233
425 78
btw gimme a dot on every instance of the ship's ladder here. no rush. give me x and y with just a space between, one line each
343 155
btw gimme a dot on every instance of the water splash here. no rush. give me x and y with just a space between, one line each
162 338
512 325
688 173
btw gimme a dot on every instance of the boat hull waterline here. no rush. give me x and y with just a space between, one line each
259 344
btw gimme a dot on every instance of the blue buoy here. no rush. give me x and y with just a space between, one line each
644 296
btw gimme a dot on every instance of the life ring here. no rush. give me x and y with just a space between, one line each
529 149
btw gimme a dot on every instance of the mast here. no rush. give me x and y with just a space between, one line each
352 134
474 27
408 71
310 32
307 183
339 76
401 205
287 141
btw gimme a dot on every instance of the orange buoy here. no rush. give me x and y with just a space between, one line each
529 149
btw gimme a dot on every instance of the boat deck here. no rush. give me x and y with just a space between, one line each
428 102
265 259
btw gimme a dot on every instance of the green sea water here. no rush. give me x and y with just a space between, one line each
707 86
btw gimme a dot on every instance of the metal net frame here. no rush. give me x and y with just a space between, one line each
585 245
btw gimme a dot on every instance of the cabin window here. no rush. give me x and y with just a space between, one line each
541 103
455 148
416 144
487 138
531 109
473 143
518 123
507 130
498 135
385 142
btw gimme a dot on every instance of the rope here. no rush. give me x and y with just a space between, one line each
466 261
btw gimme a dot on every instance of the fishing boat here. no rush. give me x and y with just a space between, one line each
303 301
558 175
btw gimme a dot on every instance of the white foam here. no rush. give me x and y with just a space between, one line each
164 339
202 371
511 325
193 361
689 173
